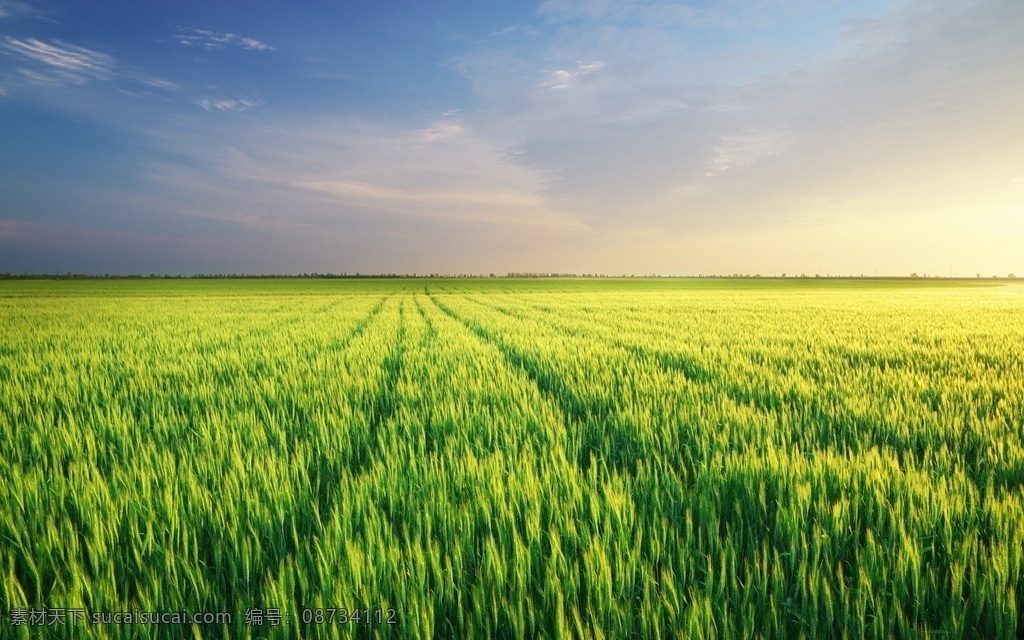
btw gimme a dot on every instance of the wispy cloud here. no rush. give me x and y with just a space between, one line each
11 8
440 130
670 14
744 148
59 60
357 172
226 104
905 106
206 39
152 81
568 78
363 193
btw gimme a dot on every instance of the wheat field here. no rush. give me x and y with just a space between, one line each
511 458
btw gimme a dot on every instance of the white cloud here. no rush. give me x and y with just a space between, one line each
732 14
439 130
903 106
253 43
39 78
226 104
742 149
363 174
10 8
568 78
156 83
57 63
60 60
206 39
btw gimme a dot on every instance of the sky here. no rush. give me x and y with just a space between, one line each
831 137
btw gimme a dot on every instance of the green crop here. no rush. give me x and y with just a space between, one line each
517 459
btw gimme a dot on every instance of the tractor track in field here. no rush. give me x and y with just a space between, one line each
323 479
359 327
584 423
670 362
839 426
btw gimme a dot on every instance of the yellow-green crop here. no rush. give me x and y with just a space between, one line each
501 458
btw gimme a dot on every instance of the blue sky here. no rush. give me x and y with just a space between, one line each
743 136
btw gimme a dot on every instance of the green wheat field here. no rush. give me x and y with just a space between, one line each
513 458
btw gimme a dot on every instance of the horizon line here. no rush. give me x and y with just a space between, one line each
511 275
